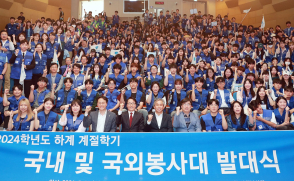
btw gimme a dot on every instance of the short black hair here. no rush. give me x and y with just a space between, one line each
43 79
211 101
131 98
133 80
102 97
117 66
66 79
20 87
77 65
111 80
90 81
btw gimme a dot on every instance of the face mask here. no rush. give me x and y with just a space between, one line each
287 63
73 26
270 46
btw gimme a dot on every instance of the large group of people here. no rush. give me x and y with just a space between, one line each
168 73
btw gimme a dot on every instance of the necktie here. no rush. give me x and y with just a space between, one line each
131 119
23 55
65 72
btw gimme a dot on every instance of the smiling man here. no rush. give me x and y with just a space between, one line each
159 121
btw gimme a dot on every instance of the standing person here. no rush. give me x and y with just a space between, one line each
53 77
130 120
3 64
159 121
185 120
11 27
21 17
50 47
61 14
7 48
40 61
101 120
23 57
46 120
24 119
115 19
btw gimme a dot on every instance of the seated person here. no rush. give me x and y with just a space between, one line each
24 119
223 96
153 94
237 120
215 120
136 94
118 60
265 119
175 97
64 96
78 79
46 120
170 77
191 76
12 102
119 78
199 97
37 96
185 120
87 96
100 120
159 121
64 68
277 89
73 121
53 78
153 76
111 94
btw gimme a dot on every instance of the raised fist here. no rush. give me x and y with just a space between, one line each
6 91
88 109
32 87
150 116
221 112
121 106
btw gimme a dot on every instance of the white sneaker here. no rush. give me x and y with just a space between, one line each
4 129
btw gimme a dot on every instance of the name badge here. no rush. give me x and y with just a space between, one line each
174 102
37 62
170 84
16 61
48 49
196 100
59 98
71 99
207 84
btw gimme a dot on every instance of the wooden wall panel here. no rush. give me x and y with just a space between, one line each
276 12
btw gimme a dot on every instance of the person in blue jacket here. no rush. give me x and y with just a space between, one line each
199 97
215 120
237 120
265 119
175 96
46 120
24 119
152 94
3 64
190 76
119 78
111 94
77 77
40 62
50 47
11 27
87 96
64 96
73 121
37 96
27 59
282 114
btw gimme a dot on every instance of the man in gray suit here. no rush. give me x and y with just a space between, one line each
101 120
185 120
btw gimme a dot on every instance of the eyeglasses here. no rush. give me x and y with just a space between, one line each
131 103
187 104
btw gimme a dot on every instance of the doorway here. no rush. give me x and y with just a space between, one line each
157 11
95 6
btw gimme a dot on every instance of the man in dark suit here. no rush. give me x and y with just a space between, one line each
159 121
101 120
131 120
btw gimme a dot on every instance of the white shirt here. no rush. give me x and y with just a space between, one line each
222 94
11 46
101 122
129 112
158 119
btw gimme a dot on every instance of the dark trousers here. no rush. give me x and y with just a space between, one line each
6 120
49 60
27 86
35 79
